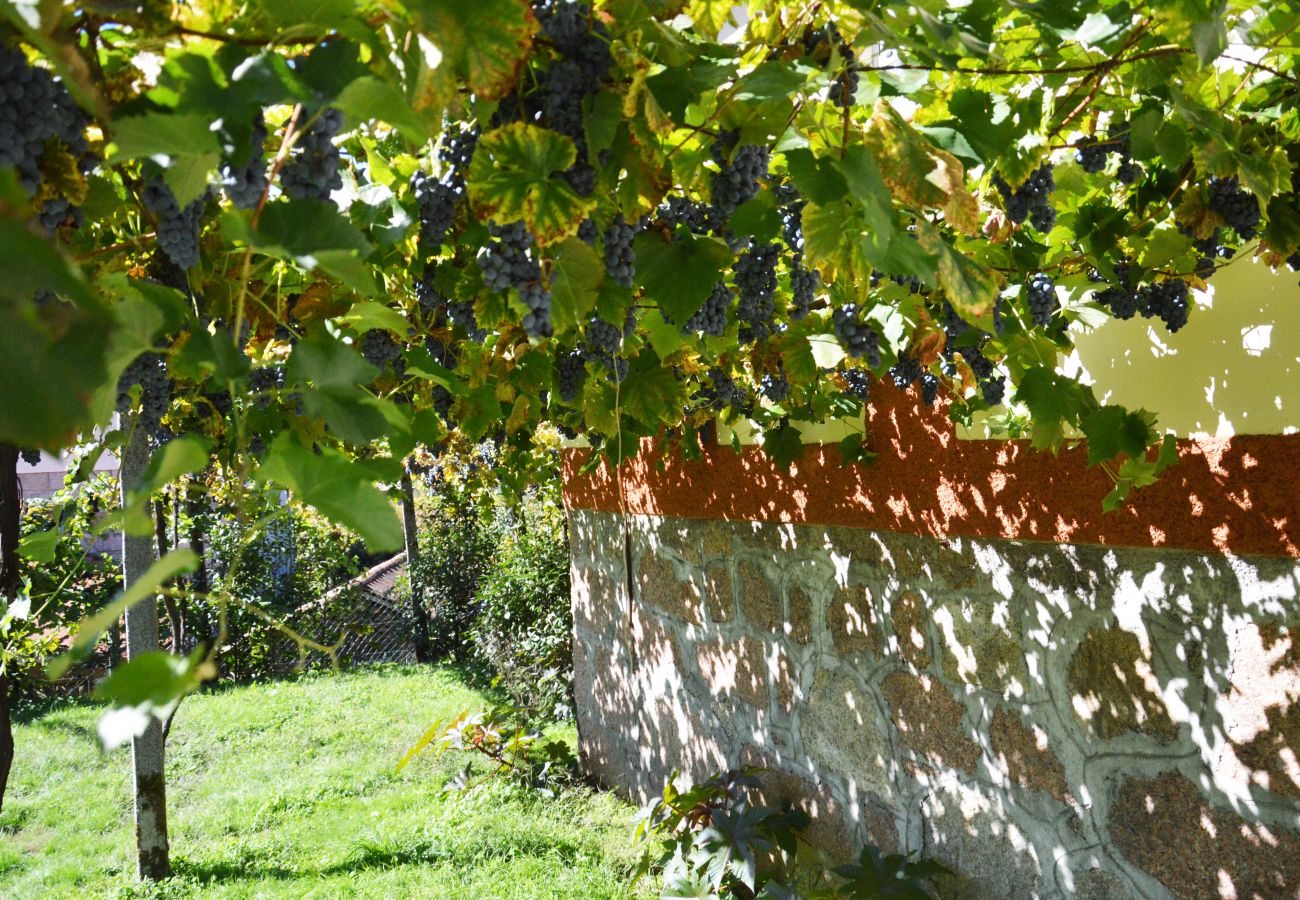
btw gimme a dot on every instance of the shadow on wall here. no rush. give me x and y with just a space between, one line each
1234 368
1049 719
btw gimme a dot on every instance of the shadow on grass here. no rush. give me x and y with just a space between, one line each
384 856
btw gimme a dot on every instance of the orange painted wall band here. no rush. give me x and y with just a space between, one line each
1234 495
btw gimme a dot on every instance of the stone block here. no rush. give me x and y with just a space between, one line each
972 836
1114 689
798 626
979 645
853 623
1261 710
842 732
719 591
759 602
908 613
1026 757
741 668
928 720
1164 826
659 586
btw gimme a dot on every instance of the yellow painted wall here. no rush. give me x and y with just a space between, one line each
1234 368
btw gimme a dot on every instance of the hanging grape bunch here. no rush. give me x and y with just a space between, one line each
755 273
178 229
508 262
1041 294
620 261
737 180
1031 200
857 337
246 183
149 372
312 173
711 318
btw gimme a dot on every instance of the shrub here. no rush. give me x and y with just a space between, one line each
456 544
524 622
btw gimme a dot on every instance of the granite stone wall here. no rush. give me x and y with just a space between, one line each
1049 719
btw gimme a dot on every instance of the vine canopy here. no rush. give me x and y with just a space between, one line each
311 242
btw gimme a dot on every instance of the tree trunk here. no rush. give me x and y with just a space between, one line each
10 509
175 616
419 613
198 540
148 774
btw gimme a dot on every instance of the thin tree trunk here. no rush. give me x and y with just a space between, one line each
419 613
147 770
10 510
198 540
175 616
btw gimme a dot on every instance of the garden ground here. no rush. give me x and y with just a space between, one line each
290 788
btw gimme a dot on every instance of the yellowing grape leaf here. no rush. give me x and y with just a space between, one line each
917 172
515 176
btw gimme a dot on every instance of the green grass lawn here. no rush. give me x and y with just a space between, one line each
290 789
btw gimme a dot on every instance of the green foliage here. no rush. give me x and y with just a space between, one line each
513 750
714 839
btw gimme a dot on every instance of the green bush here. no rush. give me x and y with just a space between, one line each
456 546
522 630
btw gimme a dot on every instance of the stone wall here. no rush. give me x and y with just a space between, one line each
1049 719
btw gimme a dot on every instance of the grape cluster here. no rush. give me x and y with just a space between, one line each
35 109
603 339
508 262
929 388
906 371
994 390
57 212
858 338
437 201
803 287
380 350
1167 301
1239 209
678 210
245 184
149 371
572 374
589 231
776 385
858 381
30 456
1030 200
461 314
711 318
755 273
1120 298
723 391
312 173
433 305
457 151
585 61
263 380
620 261
1041 294
736 182
178 229
821 44
1092 154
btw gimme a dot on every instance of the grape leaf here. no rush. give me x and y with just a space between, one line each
515 176
578 272
679 274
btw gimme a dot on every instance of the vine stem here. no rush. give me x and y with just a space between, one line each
1156 52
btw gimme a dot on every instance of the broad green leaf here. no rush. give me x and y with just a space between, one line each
368 314
187 176
1055 401
515 175
783 444
48 381
337 486
817 179
1112 430
316 13
577 273
39 546
839 240
174 563
314 234
372 98
679 274
163 136
31 264
147 688
970 287
826 350
917 172
481 42
328 364
183 456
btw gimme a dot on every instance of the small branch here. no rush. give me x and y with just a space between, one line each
1062 70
